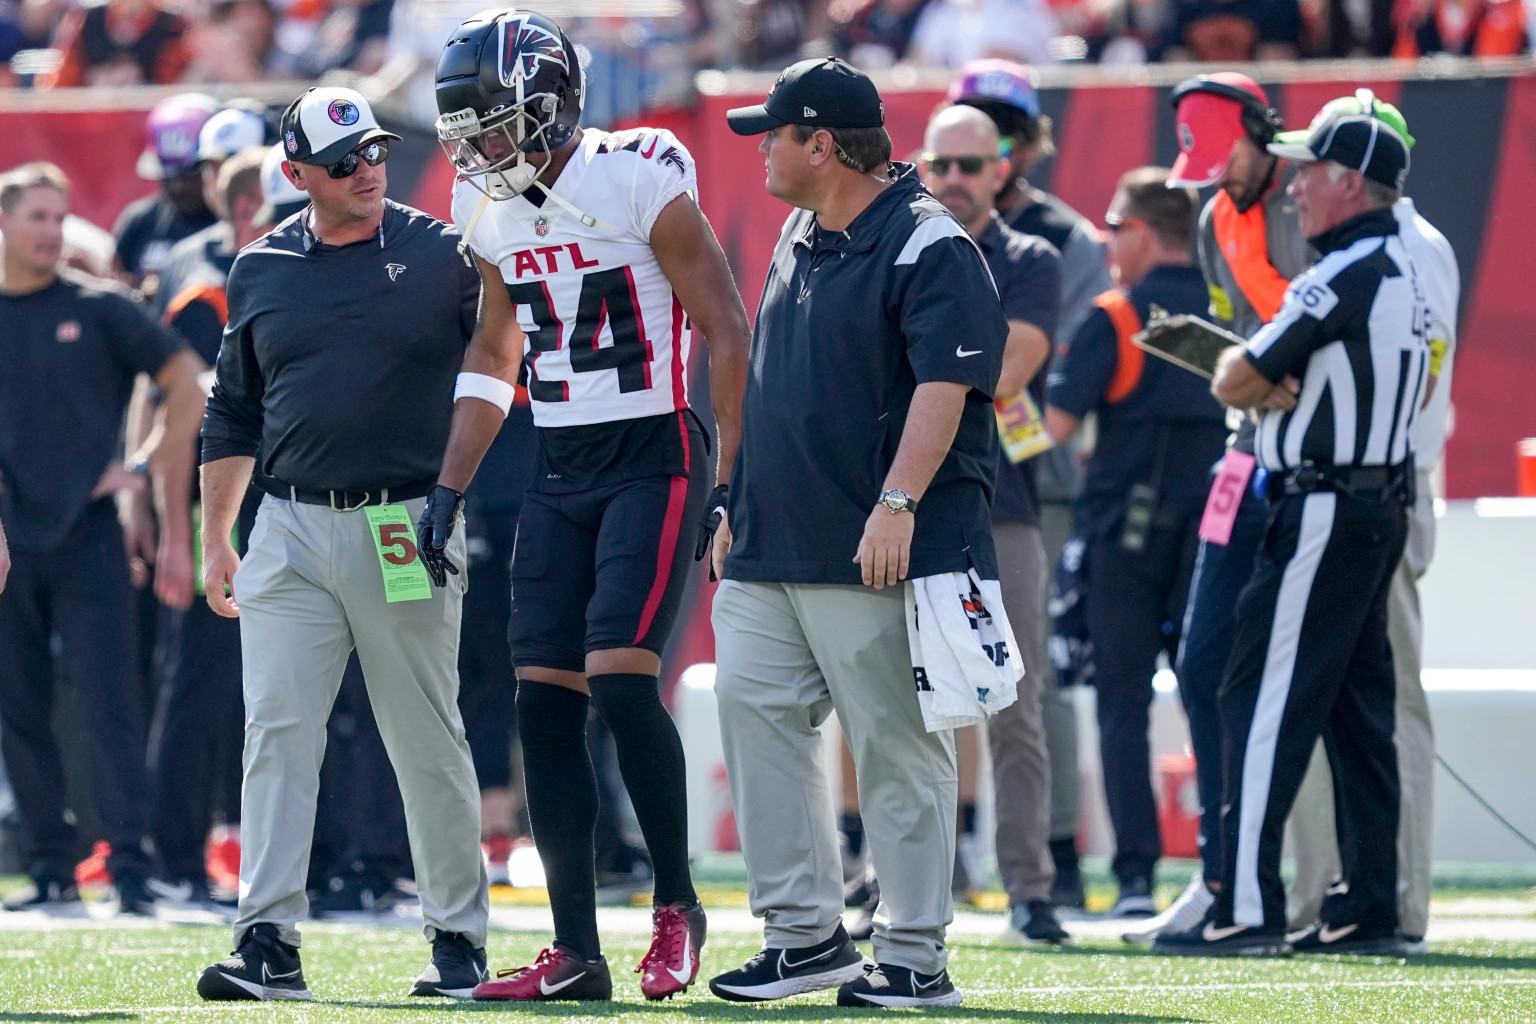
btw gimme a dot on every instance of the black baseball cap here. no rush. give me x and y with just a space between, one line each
327 123
1360 141
822 92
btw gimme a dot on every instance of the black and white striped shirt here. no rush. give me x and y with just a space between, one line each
1352 328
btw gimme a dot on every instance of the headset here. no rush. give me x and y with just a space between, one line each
1261 121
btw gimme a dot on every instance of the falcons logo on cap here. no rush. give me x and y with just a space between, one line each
524 45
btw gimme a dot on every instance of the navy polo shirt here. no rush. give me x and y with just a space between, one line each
67 365
1166 431
850 323
1027 270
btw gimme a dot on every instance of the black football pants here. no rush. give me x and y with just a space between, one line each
1310 657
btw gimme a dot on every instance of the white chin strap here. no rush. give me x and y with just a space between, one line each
521 176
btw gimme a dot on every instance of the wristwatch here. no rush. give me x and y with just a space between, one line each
897 500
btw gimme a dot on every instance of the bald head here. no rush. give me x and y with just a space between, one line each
961 165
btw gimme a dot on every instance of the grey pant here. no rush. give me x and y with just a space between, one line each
310 589
787 655
1313 829
1021 767
1058 714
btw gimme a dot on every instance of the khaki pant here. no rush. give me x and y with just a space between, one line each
1021 766
1313 832
310 589
787 655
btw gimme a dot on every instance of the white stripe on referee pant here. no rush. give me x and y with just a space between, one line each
1274 690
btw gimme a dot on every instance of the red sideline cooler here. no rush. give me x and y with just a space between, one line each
1178 812
1525 464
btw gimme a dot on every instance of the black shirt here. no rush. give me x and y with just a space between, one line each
1027 270
68 357
201 258
338 363
850 323
148 228
1166 431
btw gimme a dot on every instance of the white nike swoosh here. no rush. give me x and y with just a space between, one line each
1214 934
784 958
267 975
1327 934
962 353
549 990
919 986
682 975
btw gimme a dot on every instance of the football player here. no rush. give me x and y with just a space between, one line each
595 261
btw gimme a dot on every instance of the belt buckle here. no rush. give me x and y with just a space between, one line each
1306 478
345 507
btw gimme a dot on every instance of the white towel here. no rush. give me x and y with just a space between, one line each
964 658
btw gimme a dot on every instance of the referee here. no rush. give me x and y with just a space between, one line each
347 325
1339 375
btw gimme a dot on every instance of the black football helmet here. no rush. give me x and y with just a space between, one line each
509 83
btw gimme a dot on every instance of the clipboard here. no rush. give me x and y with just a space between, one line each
1186 341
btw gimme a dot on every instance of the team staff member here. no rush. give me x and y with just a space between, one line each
1313 829
1005 92
195 736
598 233
74 345
1310 654
347 325
860 408
962 170
147 229
1250 247
1159 431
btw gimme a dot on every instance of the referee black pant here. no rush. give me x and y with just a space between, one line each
1310 657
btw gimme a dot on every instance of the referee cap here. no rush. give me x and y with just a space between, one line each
327 123
821 92
1364 142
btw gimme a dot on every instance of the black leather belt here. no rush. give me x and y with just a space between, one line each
347 501
1372 483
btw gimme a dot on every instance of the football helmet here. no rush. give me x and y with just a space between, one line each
509 84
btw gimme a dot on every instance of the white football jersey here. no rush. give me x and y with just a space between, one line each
607 337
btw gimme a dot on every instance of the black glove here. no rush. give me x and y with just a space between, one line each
714 515
433 529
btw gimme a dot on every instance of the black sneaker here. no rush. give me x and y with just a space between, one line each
457 967
1208 938
1035 922
774 973
133 896
885 985
1349 938
1067 891
45 894
863 927
264 967
1135 899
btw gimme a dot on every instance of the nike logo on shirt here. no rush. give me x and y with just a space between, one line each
960 351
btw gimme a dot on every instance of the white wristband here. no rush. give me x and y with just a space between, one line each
491 389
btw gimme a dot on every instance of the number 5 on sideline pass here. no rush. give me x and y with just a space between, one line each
405 578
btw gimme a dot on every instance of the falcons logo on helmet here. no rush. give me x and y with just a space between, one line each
524 45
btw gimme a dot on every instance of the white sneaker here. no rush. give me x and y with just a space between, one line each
1182 914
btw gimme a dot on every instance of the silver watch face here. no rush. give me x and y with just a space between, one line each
896 501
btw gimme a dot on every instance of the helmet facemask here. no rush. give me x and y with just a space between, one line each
491 153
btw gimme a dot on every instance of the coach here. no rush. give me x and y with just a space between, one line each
868 454
1310 656
347 325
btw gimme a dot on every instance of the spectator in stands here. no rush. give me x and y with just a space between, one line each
235 43
1159 431
951 33
120 42
1231 31
873 34
772 33
349 34
1116 31
1475 28
1356 28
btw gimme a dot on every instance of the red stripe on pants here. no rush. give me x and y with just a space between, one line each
671 528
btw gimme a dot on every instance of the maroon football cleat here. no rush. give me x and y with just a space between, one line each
556 974
672 962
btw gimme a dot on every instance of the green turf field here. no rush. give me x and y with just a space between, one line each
146 974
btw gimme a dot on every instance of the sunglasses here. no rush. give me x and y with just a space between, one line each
374 153
1114 222
970 166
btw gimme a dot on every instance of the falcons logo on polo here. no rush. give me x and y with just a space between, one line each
524 45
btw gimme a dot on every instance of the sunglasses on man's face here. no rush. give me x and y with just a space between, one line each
970 166
375 153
